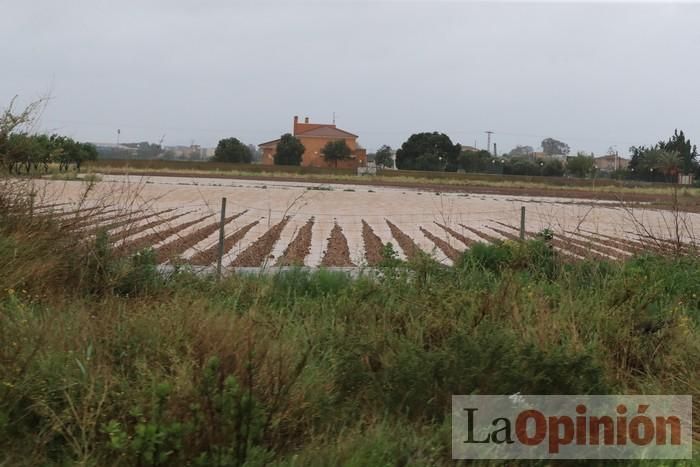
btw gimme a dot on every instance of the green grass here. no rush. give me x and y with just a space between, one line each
106 362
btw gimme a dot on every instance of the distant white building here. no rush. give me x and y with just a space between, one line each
113 148
192 152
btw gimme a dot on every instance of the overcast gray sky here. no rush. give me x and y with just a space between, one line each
591 74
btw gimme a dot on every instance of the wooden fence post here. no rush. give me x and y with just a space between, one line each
220 254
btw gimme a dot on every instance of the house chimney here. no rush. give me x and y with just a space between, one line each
296 119
306 120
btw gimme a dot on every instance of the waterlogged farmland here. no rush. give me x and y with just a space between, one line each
296 223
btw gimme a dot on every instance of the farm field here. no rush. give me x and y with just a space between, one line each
659 194
276 223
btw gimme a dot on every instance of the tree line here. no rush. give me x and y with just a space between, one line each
289 151
21 152
24 151
434 151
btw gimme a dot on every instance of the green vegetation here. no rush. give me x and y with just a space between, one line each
551 147
289 150
428 151
666 159
232 150
384 157
581 165
335 151
23 151
105 361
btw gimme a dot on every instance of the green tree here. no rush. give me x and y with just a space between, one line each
384 157
669 163
552 147
686 152
521 151
232 150
521 166
67 151
478 161
335 151
289 150
553 168
428 151
651 162
580 165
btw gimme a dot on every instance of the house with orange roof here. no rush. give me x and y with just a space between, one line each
314 136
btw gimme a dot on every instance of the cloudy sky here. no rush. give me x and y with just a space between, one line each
592 74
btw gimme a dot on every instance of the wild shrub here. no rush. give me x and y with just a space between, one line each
223 426
536 257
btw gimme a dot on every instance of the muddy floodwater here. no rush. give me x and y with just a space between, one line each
288 223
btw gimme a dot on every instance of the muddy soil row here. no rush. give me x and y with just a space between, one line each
259 251
178 246
466 240
132 220
666 245
49 206
482 235
594 246
565 248
209 256
408 246
337 251
374 248
298 248
623 245
573 242
73 223
87 211
643 244
156 237
99 221
445 247
577 247
632 243
136 229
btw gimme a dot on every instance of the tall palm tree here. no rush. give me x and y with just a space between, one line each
669 164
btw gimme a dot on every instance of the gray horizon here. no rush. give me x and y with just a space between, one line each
594 75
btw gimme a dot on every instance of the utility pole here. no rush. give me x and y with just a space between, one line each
488 143
118 133
333 118
495 153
